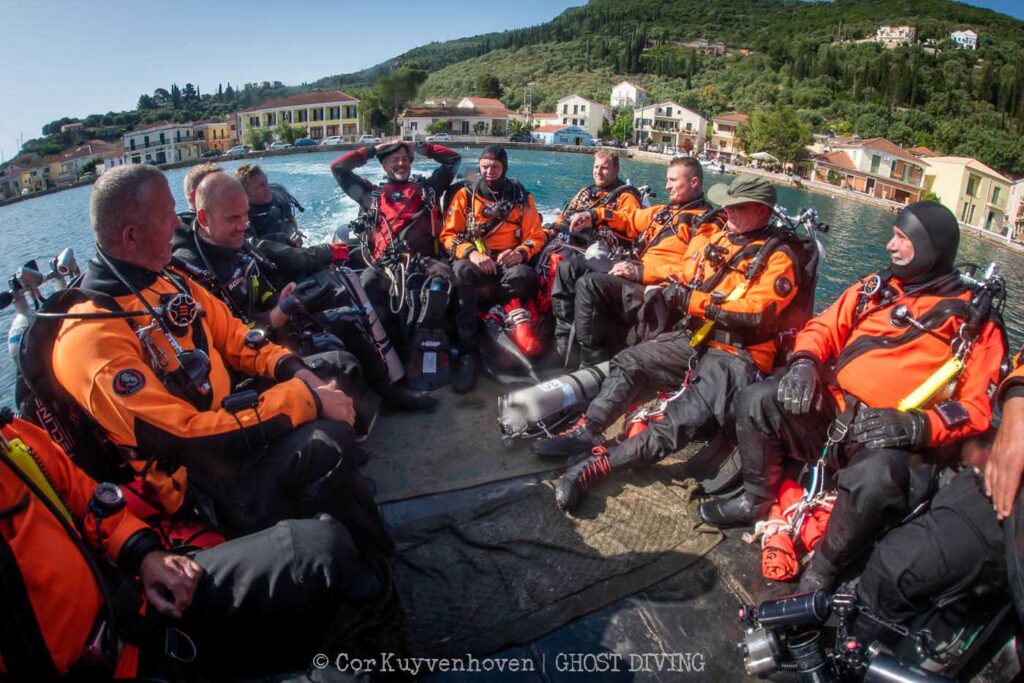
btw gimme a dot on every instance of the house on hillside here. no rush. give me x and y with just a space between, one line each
964 40
559 134
671 124
323 114
626 94
978 195
875 167
892 36
71 161
575 110
723 135
472 116
163 142
922 152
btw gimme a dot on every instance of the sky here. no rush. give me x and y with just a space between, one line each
66 58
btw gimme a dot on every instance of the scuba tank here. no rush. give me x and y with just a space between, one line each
430 360
25 283
351 282
534 411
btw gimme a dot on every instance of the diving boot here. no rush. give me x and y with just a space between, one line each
465 374
579 478
401 397
820 574
741 511
581 437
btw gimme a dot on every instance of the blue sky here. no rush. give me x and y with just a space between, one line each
65 58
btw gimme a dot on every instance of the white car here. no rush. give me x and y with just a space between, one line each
369 140
439 137
279 145
333 140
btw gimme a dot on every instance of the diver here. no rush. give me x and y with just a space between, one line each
890 379
703 365
607 192
606 304
493 231
72 550
400 221
148 354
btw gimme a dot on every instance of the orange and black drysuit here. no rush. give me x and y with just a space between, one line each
267 590
742 344
869 354
499 220
572 265
262 461
605 306
398 214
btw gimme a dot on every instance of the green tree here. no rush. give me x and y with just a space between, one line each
146 102
622 129
929 196
258 138
479 128
439 126
487 85
711 101
778 131
518 126
399 87
89 166
286 132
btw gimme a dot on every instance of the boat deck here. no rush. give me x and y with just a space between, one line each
681 628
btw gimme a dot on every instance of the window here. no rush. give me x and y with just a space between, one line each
668 111
146 141
565 108
876 163
972 185
254 122
286 116
303 115
689 126
334 113
271 119
575 109
318 114
565 120
995 194
414 125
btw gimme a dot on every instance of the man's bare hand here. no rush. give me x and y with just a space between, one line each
484 262
336 404
169 581
278 317
509 258
625 269
1006 460
580 221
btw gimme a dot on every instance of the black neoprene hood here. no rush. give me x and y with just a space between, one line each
935 234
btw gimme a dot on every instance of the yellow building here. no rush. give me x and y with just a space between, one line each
323 114
977 194
218 135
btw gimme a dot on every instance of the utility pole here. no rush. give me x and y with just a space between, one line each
529 103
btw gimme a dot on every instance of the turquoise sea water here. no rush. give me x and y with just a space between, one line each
41 227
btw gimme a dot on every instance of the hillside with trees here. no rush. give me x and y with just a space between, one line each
789 60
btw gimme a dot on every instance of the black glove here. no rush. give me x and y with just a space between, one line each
306 297
661 310
890 428
799 386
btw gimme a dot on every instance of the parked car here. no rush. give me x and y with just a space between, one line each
369 140
238 149
210 154
439 137
333 140
613 143
305 142
279 145
520 137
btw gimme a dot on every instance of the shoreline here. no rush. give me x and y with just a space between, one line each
628 152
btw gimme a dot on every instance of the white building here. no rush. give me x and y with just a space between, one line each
473 116
964 40
559 134
891 36
579 111
163 142
626 94
670 124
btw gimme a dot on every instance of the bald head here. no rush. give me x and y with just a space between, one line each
194 177
222 210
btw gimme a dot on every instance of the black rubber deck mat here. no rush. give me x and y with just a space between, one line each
507 572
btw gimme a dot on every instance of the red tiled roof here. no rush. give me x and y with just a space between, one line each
485 102
552 128
883 145
923 152
738 118
158 124
441 112
839 158
303 99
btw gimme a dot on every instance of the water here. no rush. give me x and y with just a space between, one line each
41 227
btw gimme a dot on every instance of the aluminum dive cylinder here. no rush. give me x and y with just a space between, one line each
350 280
525 411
